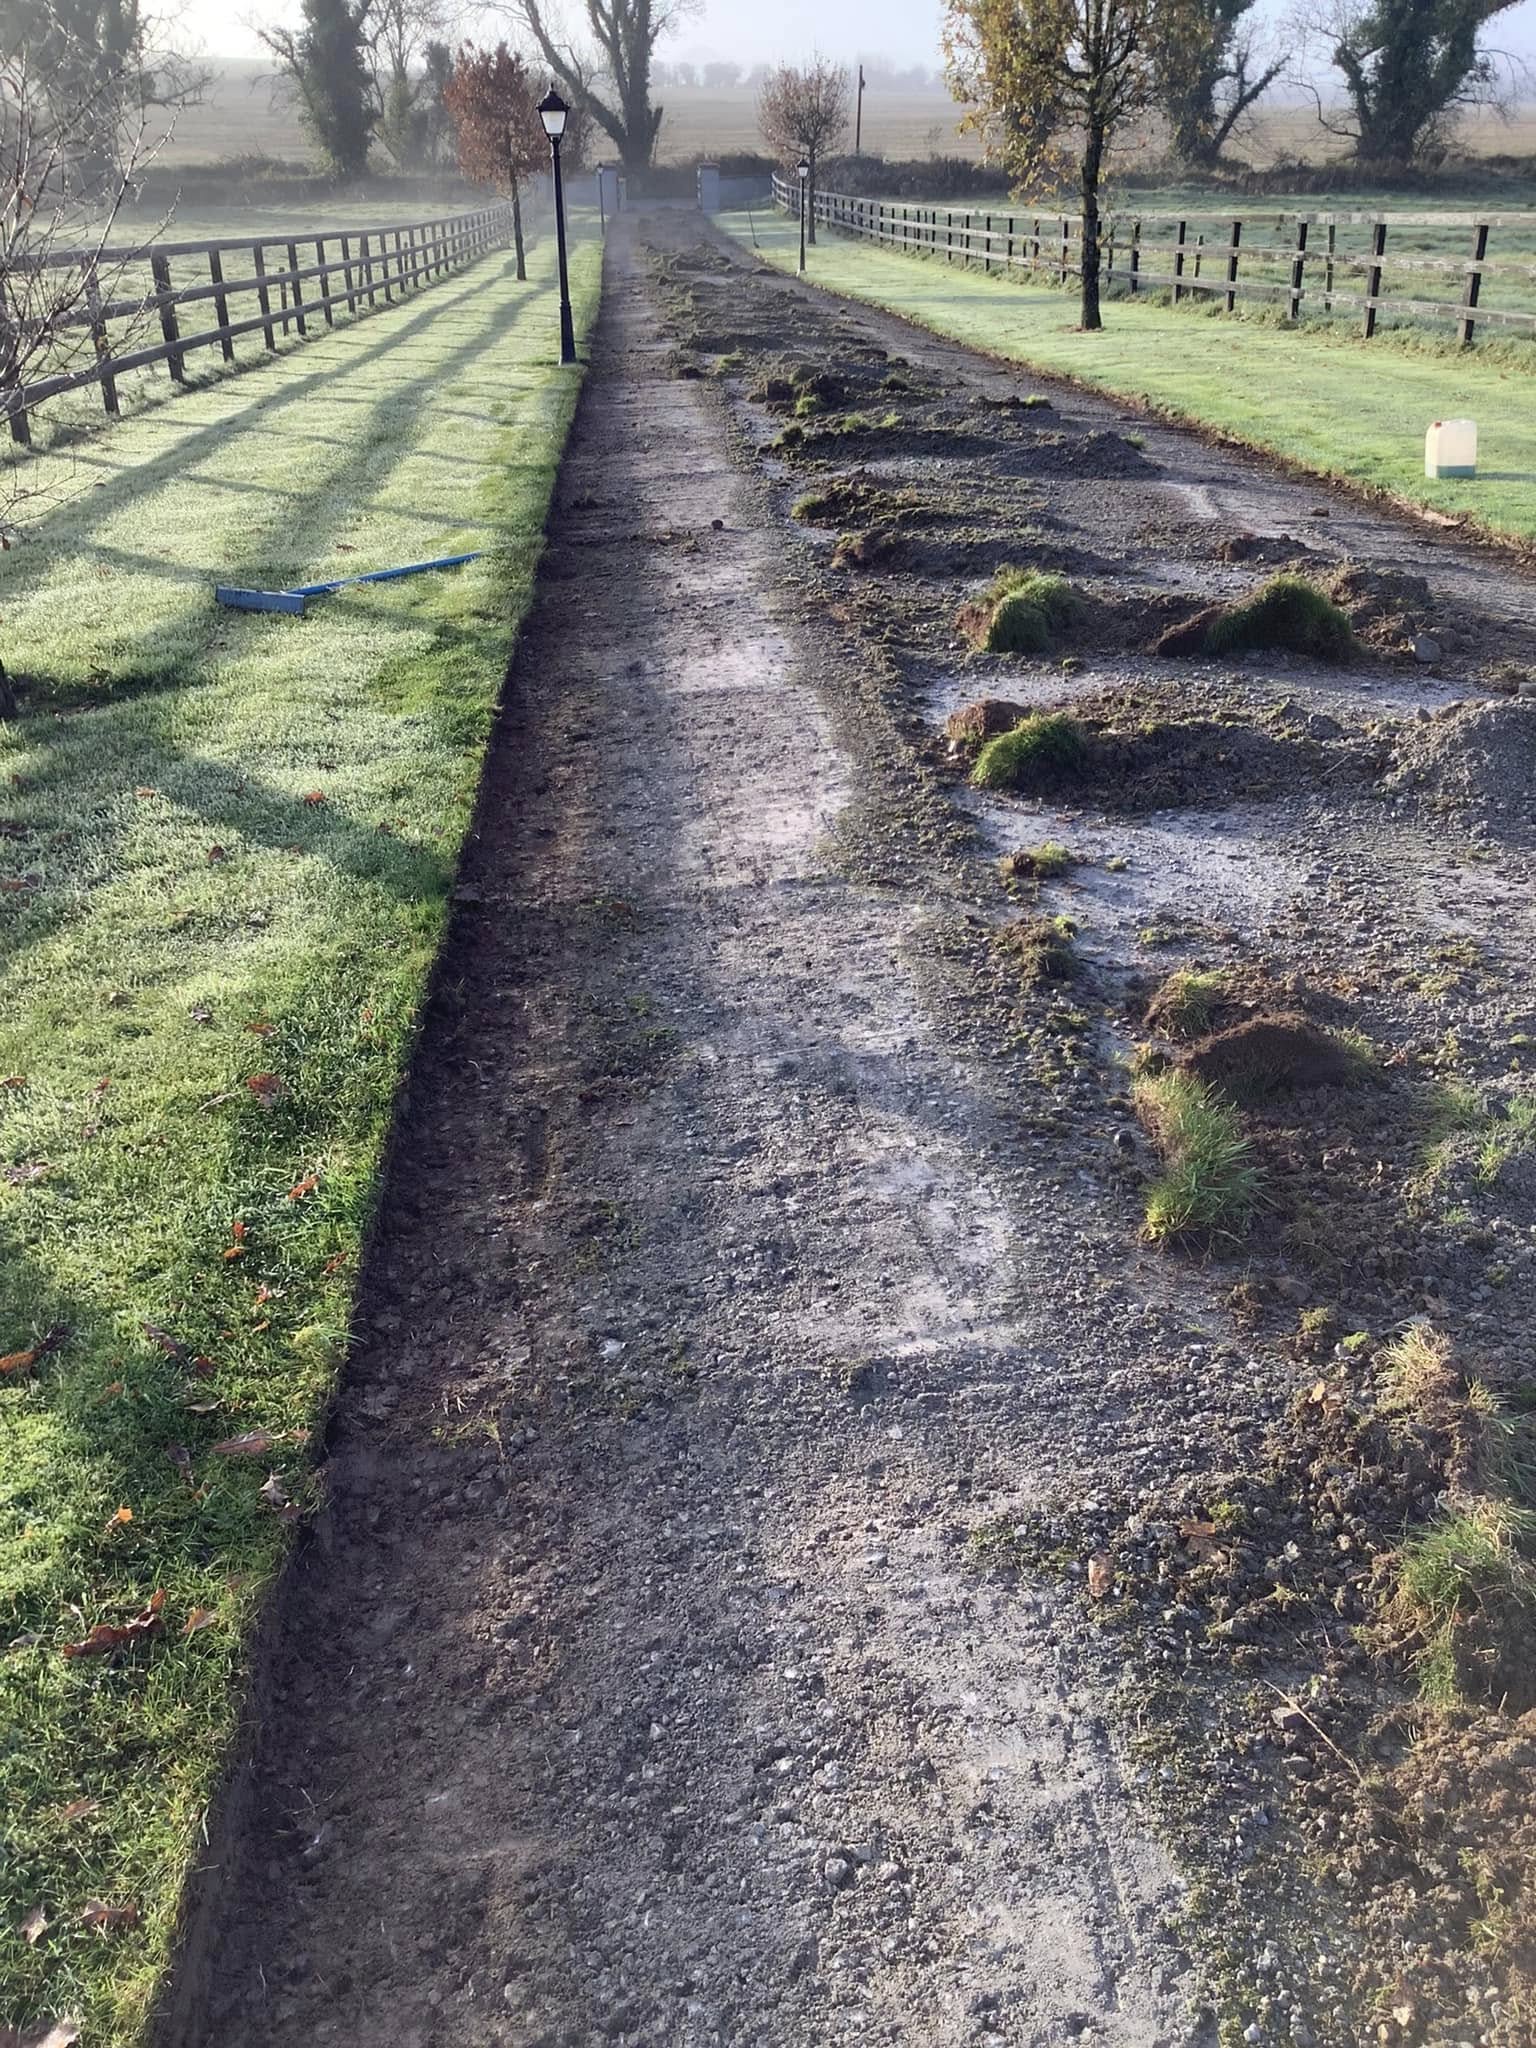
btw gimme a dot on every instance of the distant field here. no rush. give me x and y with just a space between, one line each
242 114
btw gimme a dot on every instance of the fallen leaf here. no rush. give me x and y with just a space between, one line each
237 1230
172 1346
217 853
200 1014
1101 1574
121 1519
107 1636
268 1089
22 1176
260 1028
304 1187
34 1926
234 1251
102 1086
110 1391
80 1809
14 1081
97 1913
275 1494
314 796
199 1618
145 790
254 1444
181 1458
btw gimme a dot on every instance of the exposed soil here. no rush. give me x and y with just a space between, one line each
798 1568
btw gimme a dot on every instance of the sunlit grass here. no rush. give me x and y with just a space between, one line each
228 846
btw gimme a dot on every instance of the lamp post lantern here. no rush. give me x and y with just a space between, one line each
553 112
803 171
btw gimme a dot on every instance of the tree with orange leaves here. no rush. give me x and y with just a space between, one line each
493 103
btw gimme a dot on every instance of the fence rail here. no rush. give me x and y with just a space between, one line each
352 267
1298 259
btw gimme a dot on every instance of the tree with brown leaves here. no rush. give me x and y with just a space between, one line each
494 105
1047 81
803 110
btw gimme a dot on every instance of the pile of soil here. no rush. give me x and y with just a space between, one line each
1078 456
1476 760
982 720
1266 1055
1387 609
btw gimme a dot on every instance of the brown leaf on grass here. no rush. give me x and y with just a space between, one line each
254 1444
107 1636
304 1187
23 1176
1101 1574
181 1458
268 1089
120 1519
217 853
275 1493
79 1809
314 796
171 1346
97 1913
14 1081
199 1619
260 1028
23 1361
34 1926
102 1087
234 1251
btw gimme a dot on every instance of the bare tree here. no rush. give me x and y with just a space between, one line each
611 79
61 192
804 108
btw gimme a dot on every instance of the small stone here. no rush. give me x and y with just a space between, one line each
1425 648
838 1872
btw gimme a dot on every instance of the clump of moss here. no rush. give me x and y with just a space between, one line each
1185 1003
1043 947
1209 1184
1046 748
1042 863
1287 612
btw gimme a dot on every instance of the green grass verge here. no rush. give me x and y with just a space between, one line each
227 844
1046 748
1320 398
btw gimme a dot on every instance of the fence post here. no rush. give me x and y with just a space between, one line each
220 302
986 243
1034 251
1373 278
264 296
100 343
1109 255
1010 242
346 273
1180 237
400 262
298 296
1298 267
325 282
1333 242
1199 253
1232 248
367 263
1135 256
160 270
1474 284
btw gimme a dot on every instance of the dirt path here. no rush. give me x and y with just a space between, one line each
634 1688
758 1260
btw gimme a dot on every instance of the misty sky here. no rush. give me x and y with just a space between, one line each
904 30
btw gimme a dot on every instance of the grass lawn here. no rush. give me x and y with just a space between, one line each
1319 398
227 842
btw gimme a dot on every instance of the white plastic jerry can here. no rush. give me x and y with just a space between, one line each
1450 448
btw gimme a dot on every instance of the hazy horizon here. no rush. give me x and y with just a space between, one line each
904 31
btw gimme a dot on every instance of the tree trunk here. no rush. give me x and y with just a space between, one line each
517 230
810 198
1093 164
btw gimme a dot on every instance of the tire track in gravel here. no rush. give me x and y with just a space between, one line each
633 1687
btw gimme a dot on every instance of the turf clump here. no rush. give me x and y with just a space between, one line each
1043 947
1022 611
1185 1003
1046 748
1209 1183
1286 612
1272 1055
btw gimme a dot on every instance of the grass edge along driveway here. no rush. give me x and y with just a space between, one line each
1341 408
227 848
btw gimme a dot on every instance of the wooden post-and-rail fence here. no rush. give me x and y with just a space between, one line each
1295 261
352 267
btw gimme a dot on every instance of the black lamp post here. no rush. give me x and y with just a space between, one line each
803 168
553 112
